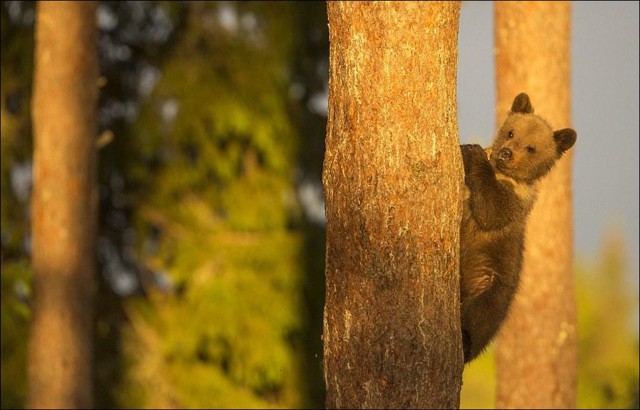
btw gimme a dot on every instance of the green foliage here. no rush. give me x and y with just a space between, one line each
218 131
17 65
15 320
478 382
608 355
236 320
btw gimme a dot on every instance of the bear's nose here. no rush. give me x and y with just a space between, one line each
505 154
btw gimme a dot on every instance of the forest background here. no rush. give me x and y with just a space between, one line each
211 247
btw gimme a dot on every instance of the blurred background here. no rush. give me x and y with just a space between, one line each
211 244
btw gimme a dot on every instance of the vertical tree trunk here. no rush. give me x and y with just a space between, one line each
392 181
537 348
64 205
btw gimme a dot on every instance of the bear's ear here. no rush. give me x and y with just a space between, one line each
522 104
564 139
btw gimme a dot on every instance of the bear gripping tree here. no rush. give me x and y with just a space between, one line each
393 186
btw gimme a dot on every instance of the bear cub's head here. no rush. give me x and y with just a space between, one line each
526 148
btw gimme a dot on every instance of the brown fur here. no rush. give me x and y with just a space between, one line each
501 192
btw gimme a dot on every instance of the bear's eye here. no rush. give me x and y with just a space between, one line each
531 149
510 135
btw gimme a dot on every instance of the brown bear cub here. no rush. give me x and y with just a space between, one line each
501 191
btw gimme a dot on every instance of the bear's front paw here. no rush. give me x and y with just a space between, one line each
472 154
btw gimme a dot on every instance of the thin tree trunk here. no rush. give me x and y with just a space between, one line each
392 181
537 348
64 205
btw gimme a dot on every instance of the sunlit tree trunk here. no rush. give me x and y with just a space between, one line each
392 180
64 205
537 348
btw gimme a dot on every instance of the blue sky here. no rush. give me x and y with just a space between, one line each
604 113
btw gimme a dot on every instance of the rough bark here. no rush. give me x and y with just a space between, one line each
392 180
64 205
537 348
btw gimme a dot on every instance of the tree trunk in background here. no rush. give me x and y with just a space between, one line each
392 181
64 205
537 347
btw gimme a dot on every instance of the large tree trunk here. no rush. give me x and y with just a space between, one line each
393 183
64 205
537 348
